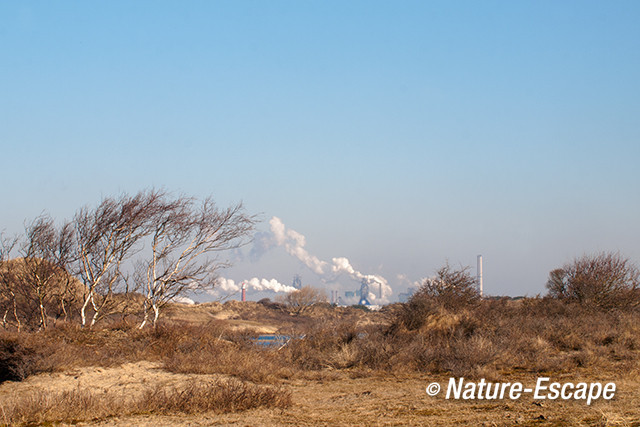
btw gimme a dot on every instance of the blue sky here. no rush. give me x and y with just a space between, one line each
396 134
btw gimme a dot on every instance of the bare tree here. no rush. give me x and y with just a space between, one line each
606 280
8 300
106 237
303 299
40 275
65 257
185 240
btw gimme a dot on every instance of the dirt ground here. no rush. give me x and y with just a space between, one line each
353 398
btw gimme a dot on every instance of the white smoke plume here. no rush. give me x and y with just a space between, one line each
231 286
294 244
375 282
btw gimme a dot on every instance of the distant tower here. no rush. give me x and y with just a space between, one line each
244 291
479 277
297 281
364 293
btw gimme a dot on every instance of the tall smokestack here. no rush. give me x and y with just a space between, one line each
479 277
244 291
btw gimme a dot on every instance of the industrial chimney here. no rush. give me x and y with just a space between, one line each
479 276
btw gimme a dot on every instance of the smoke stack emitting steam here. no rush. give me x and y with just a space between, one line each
294 242
230 286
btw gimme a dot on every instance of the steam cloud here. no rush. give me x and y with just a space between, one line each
231 286
294 243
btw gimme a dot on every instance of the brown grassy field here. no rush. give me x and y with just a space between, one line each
347 366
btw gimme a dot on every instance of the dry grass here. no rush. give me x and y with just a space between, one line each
491 340
68 406
229 395
221 396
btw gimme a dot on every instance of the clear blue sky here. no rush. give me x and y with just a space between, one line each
399 134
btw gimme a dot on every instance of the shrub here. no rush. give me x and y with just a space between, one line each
604 281
21 357
303 299
16 361
81 404
449 289
230 395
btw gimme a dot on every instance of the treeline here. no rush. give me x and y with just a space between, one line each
127 255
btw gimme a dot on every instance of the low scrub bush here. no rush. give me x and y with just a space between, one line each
229 395
17 362
69 406
449 289
604 281
82 405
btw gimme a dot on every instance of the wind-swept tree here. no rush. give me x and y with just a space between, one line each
40 276
106 236
8 302
186 238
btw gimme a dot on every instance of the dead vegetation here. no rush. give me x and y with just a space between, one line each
489 339
228 395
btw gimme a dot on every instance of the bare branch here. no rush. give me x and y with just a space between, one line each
185 240
106 237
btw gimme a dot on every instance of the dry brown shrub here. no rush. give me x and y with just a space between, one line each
228 395
603 281
327 345
262 366
69 406
77 405
532 334
216 350
17 362
376 351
